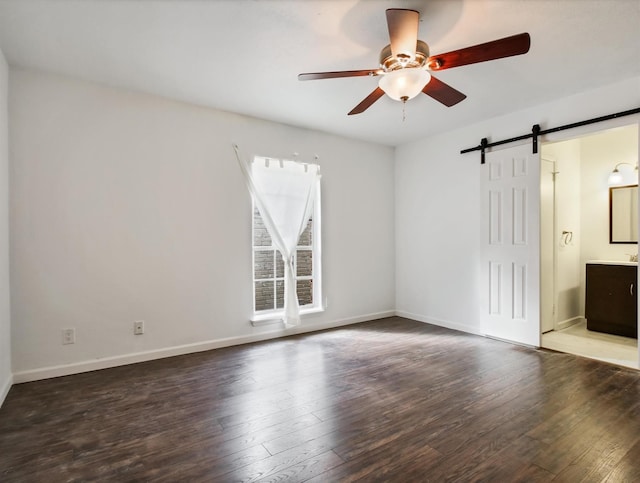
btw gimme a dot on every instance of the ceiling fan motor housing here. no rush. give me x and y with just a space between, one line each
389 62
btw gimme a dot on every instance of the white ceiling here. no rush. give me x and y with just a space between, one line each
244 55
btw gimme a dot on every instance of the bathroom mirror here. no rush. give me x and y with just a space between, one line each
623 214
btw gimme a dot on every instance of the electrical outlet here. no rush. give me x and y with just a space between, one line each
138 327
68 336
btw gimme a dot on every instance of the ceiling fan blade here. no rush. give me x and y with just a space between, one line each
335 75
403 32
443 93
366 103
496 49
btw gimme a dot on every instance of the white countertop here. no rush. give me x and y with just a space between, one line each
613 262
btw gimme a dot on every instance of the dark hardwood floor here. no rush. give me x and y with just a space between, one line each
388 400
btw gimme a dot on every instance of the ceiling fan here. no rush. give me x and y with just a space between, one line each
405 62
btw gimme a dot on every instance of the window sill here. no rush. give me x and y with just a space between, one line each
276 317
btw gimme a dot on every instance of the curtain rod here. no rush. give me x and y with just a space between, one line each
536 132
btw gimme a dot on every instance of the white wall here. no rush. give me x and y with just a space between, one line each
126 207
438 204
5 313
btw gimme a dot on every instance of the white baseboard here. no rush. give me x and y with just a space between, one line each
441 323
568 323
4 389
104 363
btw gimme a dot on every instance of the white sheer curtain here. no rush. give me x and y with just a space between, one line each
283 192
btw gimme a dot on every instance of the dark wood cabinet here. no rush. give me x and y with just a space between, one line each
611 303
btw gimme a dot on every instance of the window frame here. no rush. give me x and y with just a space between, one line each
276 314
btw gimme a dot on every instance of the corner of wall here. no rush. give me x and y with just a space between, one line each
6 376
4 389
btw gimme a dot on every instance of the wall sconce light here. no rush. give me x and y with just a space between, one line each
616 178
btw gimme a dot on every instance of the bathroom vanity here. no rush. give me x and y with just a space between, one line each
611 303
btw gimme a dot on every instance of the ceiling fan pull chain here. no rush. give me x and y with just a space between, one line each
404 109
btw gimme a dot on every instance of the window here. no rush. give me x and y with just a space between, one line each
268 268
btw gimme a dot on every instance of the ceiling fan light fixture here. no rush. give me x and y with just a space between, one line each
404 84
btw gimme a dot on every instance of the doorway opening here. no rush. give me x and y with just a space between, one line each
575 232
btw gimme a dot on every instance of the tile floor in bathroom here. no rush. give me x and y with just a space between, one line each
577 339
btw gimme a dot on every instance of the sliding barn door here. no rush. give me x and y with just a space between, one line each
511 245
